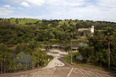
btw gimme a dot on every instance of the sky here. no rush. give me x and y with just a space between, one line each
97 10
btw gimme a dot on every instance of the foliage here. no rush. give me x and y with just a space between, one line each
86 52
19 66
99 44
67 48
18 30
39 57
26 33
12 66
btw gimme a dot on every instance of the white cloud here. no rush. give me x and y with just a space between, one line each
66 3
107 3
14 1
20 8
6 10
28 3
36 2
68 9
25 4
104 10
8 6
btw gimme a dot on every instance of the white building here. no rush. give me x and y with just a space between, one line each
90 29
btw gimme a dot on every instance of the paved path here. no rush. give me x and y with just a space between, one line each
56 68
55 62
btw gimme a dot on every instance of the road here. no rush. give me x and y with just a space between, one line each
57 68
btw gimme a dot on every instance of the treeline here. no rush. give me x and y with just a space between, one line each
99 25
15 30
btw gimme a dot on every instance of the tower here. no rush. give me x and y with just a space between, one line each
92 29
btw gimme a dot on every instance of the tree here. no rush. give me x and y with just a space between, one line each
39 57
67 48
12 66
19 56
1 60
46 45
101 41
26 51
72 31
86 52
16 21
5 57
108 36
19 66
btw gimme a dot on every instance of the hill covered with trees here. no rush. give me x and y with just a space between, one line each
30 36
18 30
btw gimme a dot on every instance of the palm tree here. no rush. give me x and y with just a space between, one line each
19 64
3 49
12 64
72 31
1 60
27 51
108 33
67 48
5 54
6 60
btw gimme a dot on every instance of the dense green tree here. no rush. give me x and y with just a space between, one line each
86 52
67 48
5 57
39 57
100 41
19 66
12 65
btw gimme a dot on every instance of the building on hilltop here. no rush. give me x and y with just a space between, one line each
89 29
92 29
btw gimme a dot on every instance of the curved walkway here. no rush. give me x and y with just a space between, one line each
56 54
